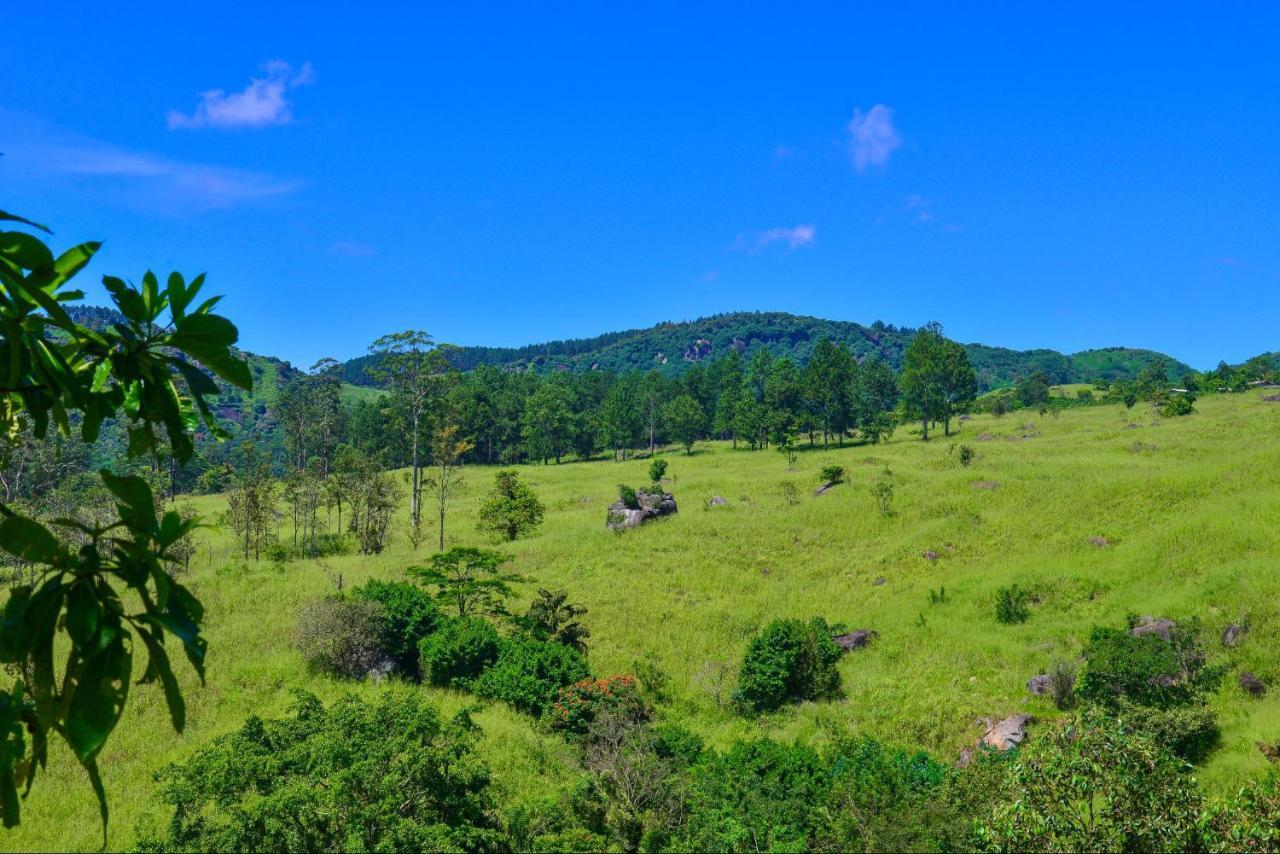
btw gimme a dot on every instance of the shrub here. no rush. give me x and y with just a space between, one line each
343 637
576 706
458 652
511 509
331 780
882 491
657 470
551 616
1062 684
966 455
529 673
1178 404
789 660
411 614
1145 669
1094 785
1011 605
628 497
1188 732
832 474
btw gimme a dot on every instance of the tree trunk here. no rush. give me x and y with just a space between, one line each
924 424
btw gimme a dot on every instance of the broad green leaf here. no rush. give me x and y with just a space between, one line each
29 252
102 686
28 540
158 665
82 613
6 216
137 508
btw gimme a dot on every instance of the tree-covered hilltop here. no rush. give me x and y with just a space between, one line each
672 348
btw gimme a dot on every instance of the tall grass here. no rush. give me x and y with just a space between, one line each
1189 520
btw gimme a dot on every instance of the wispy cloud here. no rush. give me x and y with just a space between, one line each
872 137
264 102
919 208
801 236
352 249
135 178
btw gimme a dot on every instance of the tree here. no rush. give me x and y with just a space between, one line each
251 503
937 380
372 775
469 579
549 420
1033 389
447 451
685 418
828 381
151 371
511 508
959 383
551 616
373 496
411 366
1095 786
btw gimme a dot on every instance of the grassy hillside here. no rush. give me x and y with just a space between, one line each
1187 505
673 347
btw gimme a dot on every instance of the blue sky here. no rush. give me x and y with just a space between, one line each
1069 181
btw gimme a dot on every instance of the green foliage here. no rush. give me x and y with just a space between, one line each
579 705
686 420
410 615
151 372
343 637
382 775
1178 404
965 454
457 653
1011 605
511 509
937 379
551 616
1095 785
789 660
1189 732
1145 669
657 470
1062 684
1247 821
882 492
758 796
469 579
832 474
529 673
628 497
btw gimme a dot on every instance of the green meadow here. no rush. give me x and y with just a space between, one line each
1099 512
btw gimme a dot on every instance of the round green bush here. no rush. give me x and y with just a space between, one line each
411 614
789 660
458 652
529 673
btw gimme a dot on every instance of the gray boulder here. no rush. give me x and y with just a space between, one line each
1161 628
1252 684
856 639
717 501
1040 685
1232 634
621 517
1008 733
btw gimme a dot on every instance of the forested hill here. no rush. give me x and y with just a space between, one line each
671 348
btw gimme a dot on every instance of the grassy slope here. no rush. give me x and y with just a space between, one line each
1190 505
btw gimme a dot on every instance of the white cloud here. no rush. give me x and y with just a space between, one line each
802 236
873 137
352 249
36 150
263 102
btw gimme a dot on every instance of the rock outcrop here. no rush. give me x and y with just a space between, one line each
652 506
1161 628
1008 733
856 639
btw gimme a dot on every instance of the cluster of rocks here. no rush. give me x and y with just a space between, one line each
652 505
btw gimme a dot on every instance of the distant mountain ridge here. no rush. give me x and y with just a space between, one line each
673 348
